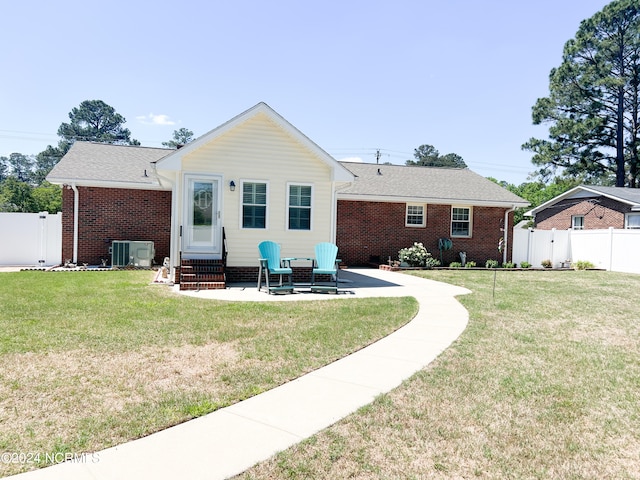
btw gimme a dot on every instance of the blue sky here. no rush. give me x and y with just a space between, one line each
354 76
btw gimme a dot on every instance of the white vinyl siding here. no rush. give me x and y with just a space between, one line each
461 221
259 151
416 215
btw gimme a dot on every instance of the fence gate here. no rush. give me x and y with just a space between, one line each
608 249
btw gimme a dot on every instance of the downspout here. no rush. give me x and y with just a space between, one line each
76 203
506 233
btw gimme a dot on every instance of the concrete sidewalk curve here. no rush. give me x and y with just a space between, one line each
231 440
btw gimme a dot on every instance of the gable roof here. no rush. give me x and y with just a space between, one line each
173 161
629 196
105 165
400 183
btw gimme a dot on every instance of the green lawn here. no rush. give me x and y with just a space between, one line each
91 359
544 383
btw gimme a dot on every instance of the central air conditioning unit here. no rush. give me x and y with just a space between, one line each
127 253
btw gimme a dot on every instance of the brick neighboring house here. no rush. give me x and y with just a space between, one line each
389 207
207 205
588 207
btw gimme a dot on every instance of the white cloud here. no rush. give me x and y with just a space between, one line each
152 119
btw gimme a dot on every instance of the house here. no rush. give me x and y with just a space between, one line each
590 207
207 205
389 207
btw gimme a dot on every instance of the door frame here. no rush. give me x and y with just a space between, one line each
200 251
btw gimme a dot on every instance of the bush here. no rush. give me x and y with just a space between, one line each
470 264
546 263
582 265
455 265
492 264
509 265
417 256
525 265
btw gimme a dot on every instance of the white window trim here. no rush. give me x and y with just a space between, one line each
241 200
626 220
424 215
573 224
470 208
311 208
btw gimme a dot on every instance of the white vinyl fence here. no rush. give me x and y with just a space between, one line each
610 249
30 239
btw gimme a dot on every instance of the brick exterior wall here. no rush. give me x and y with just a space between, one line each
106 214
598 212
371 232
250 275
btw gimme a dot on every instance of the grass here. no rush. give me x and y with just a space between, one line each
542 384
92 359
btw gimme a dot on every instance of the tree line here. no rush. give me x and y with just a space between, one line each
23 187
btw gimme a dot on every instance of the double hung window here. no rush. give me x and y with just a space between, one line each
254 205
415 215
461 221
299 200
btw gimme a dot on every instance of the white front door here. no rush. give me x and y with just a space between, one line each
202 227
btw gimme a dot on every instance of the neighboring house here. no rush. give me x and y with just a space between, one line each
389 207
207 205
588 207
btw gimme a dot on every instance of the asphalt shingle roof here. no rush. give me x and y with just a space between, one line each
431 184
631 195
99 162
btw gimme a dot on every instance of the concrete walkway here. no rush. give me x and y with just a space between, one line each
231 440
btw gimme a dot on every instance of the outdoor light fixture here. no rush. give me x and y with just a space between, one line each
232 186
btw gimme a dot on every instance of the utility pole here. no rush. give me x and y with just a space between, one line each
378 155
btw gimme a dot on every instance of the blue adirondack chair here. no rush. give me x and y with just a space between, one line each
272 264
325 263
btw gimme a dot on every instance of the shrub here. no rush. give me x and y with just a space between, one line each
546 263
455 265
582 265
492 264
470 264
525 265
509 265
417 256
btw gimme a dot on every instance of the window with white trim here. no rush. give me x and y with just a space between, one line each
461 221
299 200
415 215
577 222
632 220
254 204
